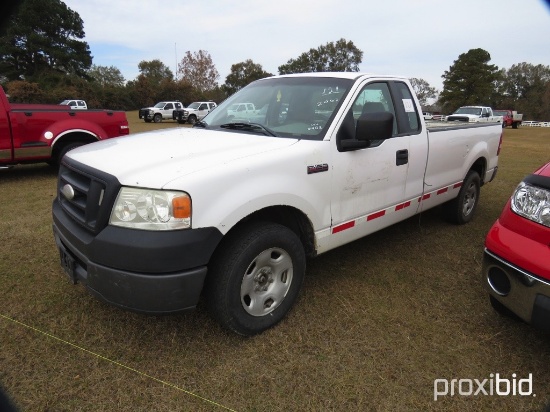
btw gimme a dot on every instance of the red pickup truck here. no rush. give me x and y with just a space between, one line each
34 133
509 117
516 260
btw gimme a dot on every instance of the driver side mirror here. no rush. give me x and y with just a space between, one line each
374 126
369 127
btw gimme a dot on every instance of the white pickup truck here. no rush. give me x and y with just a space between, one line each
160 111
474 114
232 209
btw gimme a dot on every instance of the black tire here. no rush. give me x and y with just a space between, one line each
255 278
157 118
461 209
192 119
515 125
56 162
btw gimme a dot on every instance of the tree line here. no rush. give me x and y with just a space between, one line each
46 60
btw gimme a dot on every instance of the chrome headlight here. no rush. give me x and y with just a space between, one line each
150 209
532 203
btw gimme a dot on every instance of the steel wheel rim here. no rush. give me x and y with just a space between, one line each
469 199
266 282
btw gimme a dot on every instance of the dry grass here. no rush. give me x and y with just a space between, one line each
378 320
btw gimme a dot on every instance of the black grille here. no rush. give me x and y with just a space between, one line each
458 118
143 113
94 194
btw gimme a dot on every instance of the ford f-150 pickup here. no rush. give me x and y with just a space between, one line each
34 133
232 208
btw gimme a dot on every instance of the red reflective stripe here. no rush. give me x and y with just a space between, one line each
344 226
376 215
440 191
457 185
402 206
426 196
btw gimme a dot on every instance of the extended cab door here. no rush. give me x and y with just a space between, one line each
202 110
5 130
167 111
376 186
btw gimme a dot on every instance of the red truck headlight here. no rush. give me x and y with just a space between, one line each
532 203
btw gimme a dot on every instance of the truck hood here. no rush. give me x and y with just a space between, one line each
155 158
543 170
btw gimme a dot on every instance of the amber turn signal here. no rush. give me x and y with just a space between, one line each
181 207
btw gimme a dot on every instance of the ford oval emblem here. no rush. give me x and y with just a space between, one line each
68 192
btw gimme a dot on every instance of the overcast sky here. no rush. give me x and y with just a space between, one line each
419 38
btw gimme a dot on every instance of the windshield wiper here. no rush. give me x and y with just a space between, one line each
200 123
253 127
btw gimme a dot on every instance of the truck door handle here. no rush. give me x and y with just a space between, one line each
401 157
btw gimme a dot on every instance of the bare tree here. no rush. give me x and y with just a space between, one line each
198 70
423 90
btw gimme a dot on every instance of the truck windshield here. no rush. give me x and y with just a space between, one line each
194 105
469 110
160 105
299 107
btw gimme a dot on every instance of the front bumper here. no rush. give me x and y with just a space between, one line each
141 271
515 269
145 115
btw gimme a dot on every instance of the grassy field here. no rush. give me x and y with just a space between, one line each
377 322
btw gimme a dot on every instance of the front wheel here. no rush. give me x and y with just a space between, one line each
255 278
192 119
157 118
461 209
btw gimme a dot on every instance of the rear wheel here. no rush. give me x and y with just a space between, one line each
255 279
515 125
461 209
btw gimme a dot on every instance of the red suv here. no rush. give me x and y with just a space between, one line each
516 260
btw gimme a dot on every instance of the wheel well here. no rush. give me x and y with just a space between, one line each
479 166
287 216
83 138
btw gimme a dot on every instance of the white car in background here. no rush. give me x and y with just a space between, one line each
75 104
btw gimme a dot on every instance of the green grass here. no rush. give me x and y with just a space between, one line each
377 321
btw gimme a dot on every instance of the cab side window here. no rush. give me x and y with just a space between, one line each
409 118
374 97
